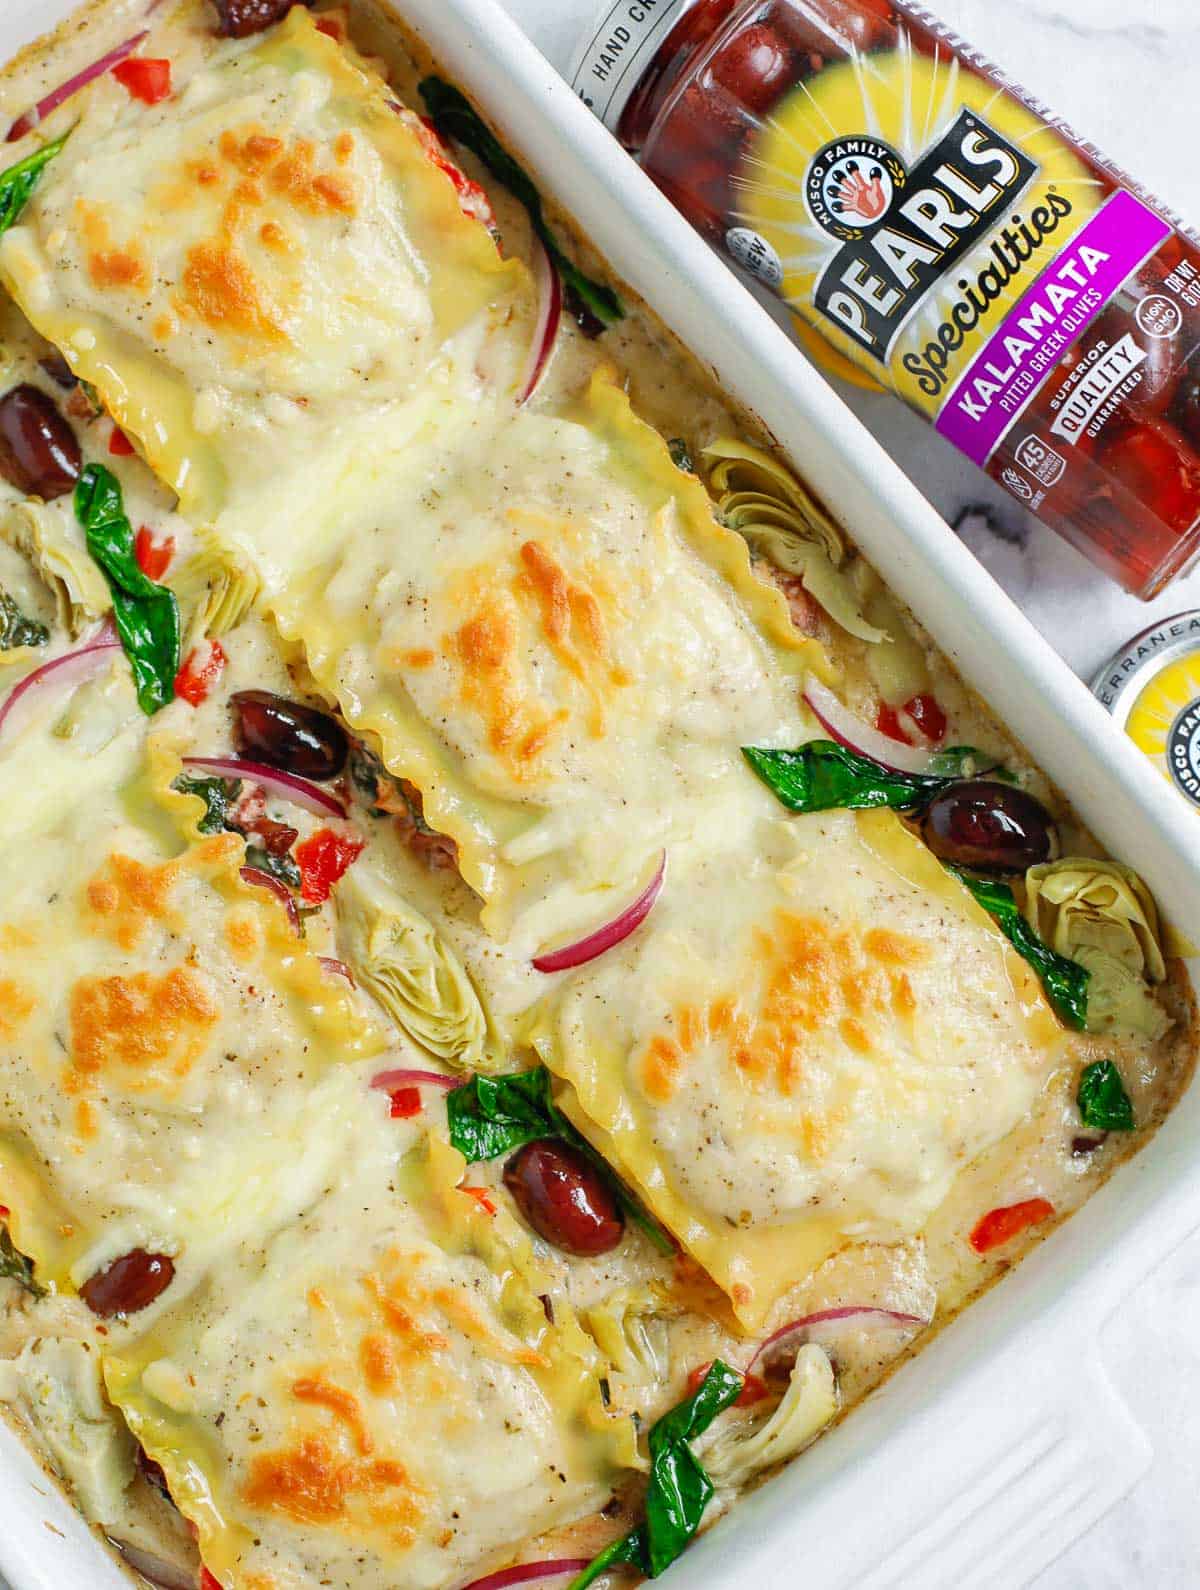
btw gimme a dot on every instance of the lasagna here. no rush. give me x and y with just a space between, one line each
527 985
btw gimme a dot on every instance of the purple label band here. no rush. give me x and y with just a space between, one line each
1067 297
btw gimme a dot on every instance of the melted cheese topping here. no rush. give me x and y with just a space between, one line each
804 1044
165 1041
258 261
377 1396
547 631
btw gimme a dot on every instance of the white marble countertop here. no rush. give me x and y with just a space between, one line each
1123 72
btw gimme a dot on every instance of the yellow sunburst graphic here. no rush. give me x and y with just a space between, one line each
908 100
1158 708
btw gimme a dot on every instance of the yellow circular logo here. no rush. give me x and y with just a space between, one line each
1164 722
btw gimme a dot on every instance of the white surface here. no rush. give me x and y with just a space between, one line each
1003 1440
1124 73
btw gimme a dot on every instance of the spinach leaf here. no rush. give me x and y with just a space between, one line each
1064 981
1102 1099
282 867
490 1116
966 761
679 1489
15 1266
219 795
592 304
19 181
147 614
17 630
823 776
681 455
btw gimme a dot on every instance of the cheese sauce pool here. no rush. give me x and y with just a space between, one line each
939 234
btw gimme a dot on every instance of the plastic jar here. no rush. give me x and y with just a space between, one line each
938 234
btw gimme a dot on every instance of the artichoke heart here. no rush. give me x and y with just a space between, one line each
398 957
738 1452
630 1329
56 1385
1102 915
782 522
50 537
218 586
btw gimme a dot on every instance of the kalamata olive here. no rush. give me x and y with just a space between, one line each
829 29
565 1198
1187 404
1160 468
756 66
39 453
59 371
284 734
238 19
129 1284
989 827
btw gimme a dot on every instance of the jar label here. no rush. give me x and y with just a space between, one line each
1032 338
755 255
1164 723
617 50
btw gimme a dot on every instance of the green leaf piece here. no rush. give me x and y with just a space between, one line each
967 761
15 1266
147 615
681 455
491 1116
679 1489
19 181
17 630
823 776
1102 1099
219 795
457 120
1064 981
284 867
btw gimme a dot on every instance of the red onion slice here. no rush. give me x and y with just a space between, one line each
337 968
72 668
153 1568
549 290
863 1312
264 880
604 938
405 1076
300 791
849 730
60 95
530 1573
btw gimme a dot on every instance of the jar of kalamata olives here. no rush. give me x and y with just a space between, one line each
938 234
1152 688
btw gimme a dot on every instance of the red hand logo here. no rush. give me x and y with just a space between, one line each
862 196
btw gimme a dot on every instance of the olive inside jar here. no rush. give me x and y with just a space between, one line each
936 235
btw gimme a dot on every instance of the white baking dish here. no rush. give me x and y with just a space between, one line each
915 1490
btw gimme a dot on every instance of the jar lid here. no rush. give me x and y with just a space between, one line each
617 49
1152 688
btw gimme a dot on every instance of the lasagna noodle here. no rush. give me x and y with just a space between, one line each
802 1047
544 628
263 261
166 1044
377 1396
537 616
